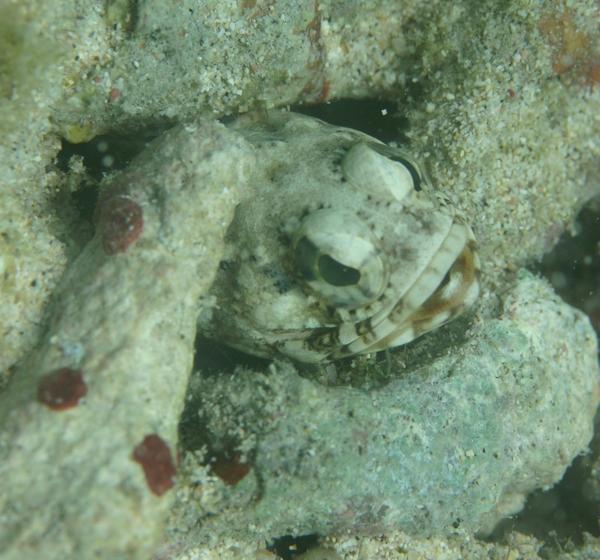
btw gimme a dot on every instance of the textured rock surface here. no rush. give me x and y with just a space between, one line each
513 134
43 47
460 441
88 447
173 60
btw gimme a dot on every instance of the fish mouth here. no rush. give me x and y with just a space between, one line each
456 292
407 319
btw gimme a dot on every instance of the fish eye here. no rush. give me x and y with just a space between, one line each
336 273
338 260
381 169
415 175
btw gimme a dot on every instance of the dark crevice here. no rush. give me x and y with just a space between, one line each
377 117
105 152
289 546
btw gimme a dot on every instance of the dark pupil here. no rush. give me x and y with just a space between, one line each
337 274
306 254
411 169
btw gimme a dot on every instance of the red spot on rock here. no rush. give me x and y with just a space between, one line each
154 455
593 73
121 223
230 471
62 388
574 55
114 94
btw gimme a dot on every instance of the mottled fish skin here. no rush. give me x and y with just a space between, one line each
341 247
